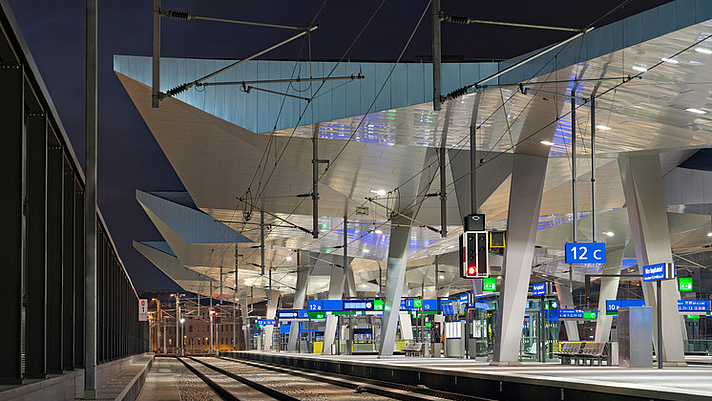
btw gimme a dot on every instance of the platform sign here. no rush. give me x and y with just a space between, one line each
692 305
684 283
430 305
266 322
693 316
585 252
612 305
464 298
659 271
293 314
358 305
538 289
378 305
577 314
142 310
331 305
489 284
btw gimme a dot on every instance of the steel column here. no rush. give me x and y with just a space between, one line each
300 296
36 255
55 165
11 164
437 59
609 290
68 267
315 181
79 276
90 220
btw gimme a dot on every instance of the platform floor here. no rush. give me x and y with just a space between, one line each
691 380
161 384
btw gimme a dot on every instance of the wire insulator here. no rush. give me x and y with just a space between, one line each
457 93
456 19
177 90
178 14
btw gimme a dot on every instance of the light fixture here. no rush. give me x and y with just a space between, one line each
603 127
182 320
289 258
640 68
366 251
442 277
703 50
696 111
547 143
669 60
451 246
609 233
380 192
379 232
709 234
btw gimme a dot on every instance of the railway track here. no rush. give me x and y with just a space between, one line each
248 380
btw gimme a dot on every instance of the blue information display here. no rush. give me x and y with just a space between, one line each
465 298
430 304
586 252
358 305
658 271
292 314
691 305
612 305
446 307
576 314
324 305
538 289
266 322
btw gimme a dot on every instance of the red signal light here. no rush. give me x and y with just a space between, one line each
471 270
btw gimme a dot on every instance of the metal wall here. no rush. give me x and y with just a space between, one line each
42 236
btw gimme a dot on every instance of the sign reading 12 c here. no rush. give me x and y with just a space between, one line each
586 252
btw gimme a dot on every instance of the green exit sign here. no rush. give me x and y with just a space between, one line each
489 284
684 283
590 315
418 303
693 316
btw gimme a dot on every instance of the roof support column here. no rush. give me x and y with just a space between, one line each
525 196
271 312
336 290
566 301
609 290
397 260
642 182
304 266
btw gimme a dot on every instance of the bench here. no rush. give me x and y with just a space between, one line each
414 349
594 352
568 352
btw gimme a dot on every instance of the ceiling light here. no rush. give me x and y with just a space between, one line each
379 232
547 143
703 50
709 234
640 68
603 127
696 111
669 60
442 277
289 258
380 192
366 251
451 246
609 233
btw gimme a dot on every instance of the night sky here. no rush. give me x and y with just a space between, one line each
129 157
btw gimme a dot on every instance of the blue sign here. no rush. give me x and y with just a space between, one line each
358 305
691 305
325 305
446 307
479 305
292 314
430 304
266 322
655 272
586 252
538 289
577 314
612 305
465 298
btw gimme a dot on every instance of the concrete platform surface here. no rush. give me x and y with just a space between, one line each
683 383
161 384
